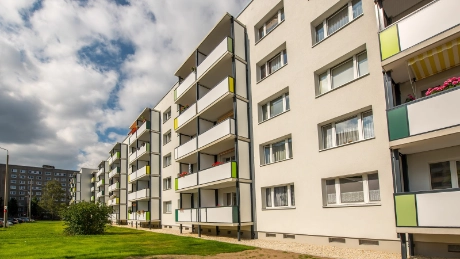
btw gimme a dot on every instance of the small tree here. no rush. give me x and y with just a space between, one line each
13 207
51 198
86 218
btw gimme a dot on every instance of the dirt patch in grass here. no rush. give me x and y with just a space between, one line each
255 254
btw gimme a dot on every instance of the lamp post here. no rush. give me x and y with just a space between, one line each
5 200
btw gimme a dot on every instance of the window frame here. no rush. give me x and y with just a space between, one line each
286 107
165 160
265 66
165 137
167 183
287 149
281 17
337 186
359 116
167 115
271 190
165 207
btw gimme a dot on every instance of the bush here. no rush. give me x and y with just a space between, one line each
86 218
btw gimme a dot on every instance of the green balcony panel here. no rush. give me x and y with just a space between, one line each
389 42
230 44
398 123
177 213
235 214
406 211
176 184
234 170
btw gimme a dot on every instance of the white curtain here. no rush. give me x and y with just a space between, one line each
330 190
272 23
281 198
351 189
362 64
267 155
276 106
357 8
327 136
342 74
323 83
337 21
275 64
292 196
319 32
268 197
368 125
347 131
279 151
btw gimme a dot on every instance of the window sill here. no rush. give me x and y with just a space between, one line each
328 36
277 162
166 166
280 208
359 141
167 212
274 116
271 74
166 120
257 42
339 87
352 205
164 144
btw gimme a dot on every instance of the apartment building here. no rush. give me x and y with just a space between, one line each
285 128
101 182
420 59
25 179
117 182
80 185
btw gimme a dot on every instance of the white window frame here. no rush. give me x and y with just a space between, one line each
47 173
167 182
38 193
13 192
13 187
267 105
349 5
14 176
281 17
266 64
167 160
22 182
272 196
286 146
48 178
12 181
328 72
165 137
338 201
14 170
233 199
22 171
22 187
167 115
22 193
453 173
165 207
334 136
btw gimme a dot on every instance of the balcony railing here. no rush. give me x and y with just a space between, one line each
143 194
114 187
92 198
139 174
212 174
114 157
428 209
419 116
92 189
101 171
139 216
189 180
419 26
114 172
93 179
114 216
99 194
101 182
224 87
208 215
185 116
139 132
224 46
217 132
114 201
184 86
185 149
139 152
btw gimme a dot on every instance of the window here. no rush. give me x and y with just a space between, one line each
167 115
30 177
166 137
14 176
22 171
22 182
13 187
38 183
363 188
271 24
22 176
272 65
22 193
39 177
339 19
230 199
38 193
167 160
167 207
279 196
22 187
343 73
14 170
63 184
12 181
441 175
278 151
63 179
358 127
48 178
167 183
275 107
47 173
13 192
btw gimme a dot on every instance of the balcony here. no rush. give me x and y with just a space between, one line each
113 217
143 150
99 194
140 174
217 132
139 216
144 128
425 115
185 117
187 181
114 187
143 194
208 215
93 179
114 201
429 209
212 174
224 47
184 85
114 173
101 182
419 26
92 198
114 157
185 149
101 171
225 87
92 189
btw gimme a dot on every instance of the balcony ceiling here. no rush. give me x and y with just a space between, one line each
430 144
223 106
396 7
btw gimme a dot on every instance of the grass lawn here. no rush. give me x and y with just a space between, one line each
46 240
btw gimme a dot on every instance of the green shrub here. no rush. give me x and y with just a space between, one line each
86 218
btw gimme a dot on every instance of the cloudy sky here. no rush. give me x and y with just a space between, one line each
75 73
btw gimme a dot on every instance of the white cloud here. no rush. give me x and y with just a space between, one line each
55 103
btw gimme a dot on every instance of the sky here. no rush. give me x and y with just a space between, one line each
74 74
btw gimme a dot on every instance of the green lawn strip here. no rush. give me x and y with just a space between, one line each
46 240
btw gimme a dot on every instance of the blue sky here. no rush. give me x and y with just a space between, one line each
74 74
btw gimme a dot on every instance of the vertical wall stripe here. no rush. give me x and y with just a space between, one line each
398 123
389 42
231 84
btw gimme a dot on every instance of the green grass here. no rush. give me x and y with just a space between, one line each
46 240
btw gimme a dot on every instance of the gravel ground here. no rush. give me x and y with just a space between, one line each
292 247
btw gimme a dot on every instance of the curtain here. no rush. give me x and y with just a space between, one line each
440 175
327 136
357 8
342 74
290 147
263 72
266 154
292 196
368 125
288 105
347 131
351 189
276 106
319 32
268 197
279 151
337 21
281 198
362 64
264 112
272 23
330 191
323 83
274 64
374 188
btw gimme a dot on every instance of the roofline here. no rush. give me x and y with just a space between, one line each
40 167
238 15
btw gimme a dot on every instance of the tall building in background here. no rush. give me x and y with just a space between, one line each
285 128
81 185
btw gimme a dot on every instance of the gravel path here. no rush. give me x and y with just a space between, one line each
300 248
